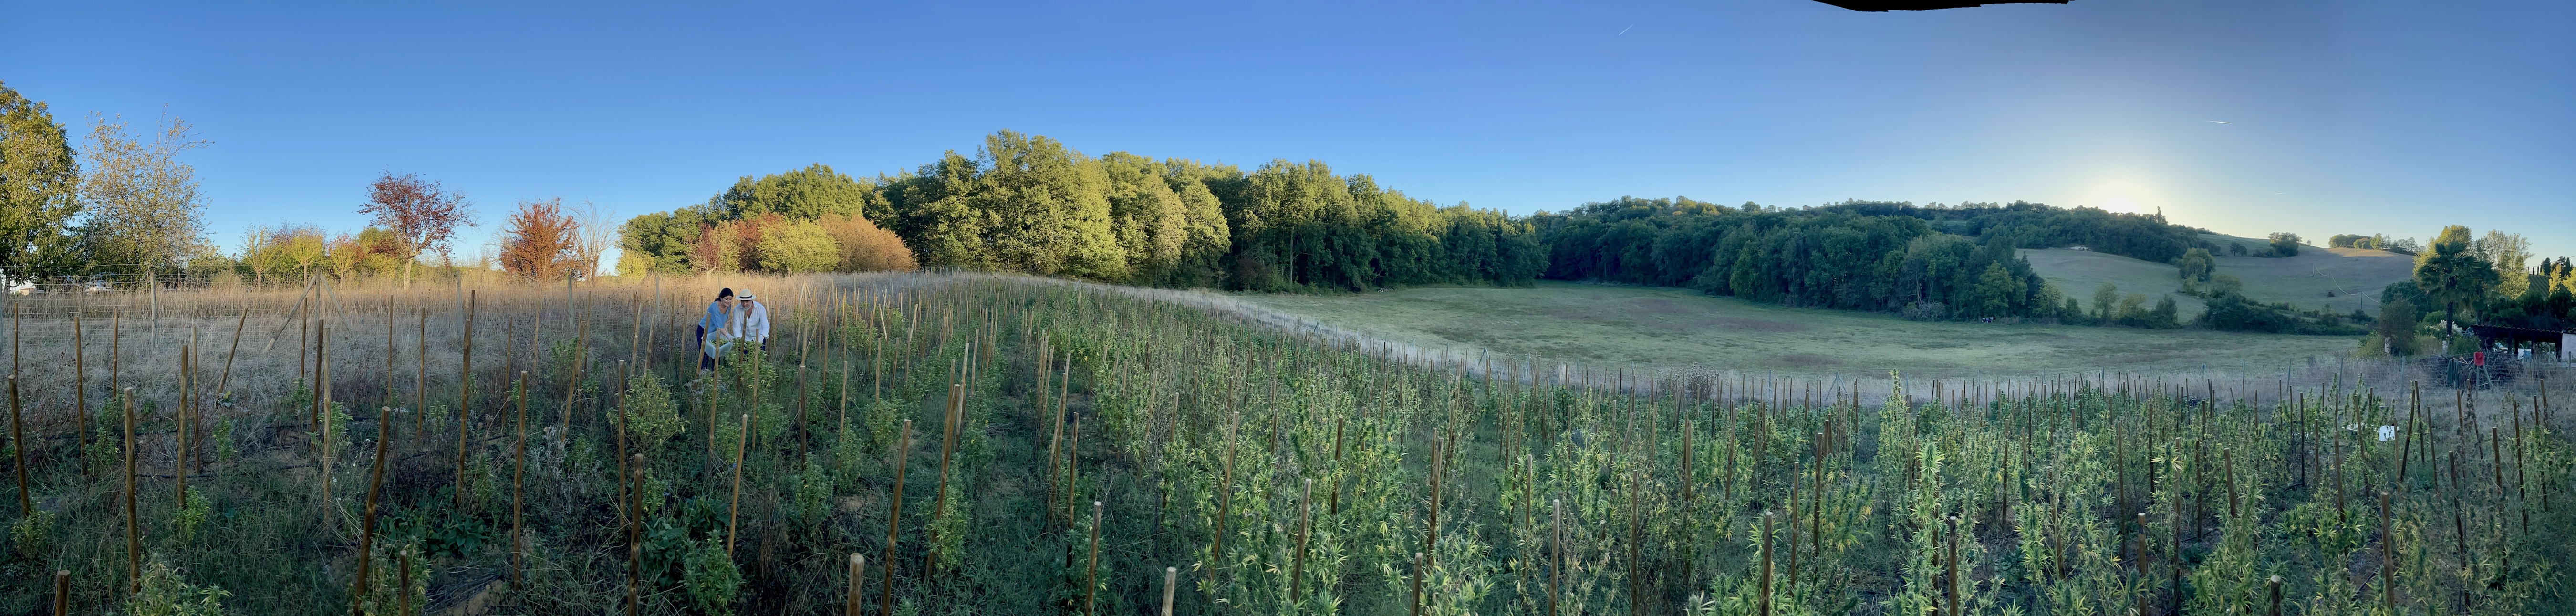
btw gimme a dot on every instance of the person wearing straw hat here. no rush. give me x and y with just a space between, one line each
734 316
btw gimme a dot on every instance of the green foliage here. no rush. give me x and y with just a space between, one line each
2284 245
2453 275
652 417
31 533
1844 257
192 516
39 183
711 578
2233 312
1030 204
2397 328
2196 265
167 593
797 247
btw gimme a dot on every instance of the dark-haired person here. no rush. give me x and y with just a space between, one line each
739 317
715 318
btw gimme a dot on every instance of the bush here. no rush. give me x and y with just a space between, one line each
652 417
864 246
166 594
711 578
2233 312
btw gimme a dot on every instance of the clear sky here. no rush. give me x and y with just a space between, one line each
2345 116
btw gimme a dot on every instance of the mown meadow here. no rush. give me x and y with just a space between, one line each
967 444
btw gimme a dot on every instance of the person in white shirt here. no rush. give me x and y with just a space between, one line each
733 317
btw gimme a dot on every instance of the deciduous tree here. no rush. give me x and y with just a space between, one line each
537 240
421 214
39 182
142 206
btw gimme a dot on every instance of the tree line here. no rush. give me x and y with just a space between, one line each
2463 278
1928 262
1031 204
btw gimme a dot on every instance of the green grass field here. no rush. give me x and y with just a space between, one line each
1678 327
2352 276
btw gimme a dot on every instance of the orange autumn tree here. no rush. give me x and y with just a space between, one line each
537 241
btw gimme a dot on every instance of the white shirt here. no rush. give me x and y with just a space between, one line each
749 319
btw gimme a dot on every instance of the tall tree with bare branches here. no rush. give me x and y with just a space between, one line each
538 240
422 214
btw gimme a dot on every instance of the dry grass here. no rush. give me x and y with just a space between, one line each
275 344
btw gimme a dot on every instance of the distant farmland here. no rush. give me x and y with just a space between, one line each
2354 276
1674 327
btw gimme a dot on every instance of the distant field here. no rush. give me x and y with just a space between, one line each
1672 327
2354 276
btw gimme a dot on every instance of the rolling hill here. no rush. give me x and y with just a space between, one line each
2338 279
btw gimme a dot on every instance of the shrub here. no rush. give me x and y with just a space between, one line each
165 593
652 417
712 580
865 247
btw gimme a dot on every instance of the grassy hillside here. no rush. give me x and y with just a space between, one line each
2353 276
1662 326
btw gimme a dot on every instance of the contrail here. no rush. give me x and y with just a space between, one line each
1624 31
2218 122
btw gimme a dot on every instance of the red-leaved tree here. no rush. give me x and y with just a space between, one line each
537 240
421 214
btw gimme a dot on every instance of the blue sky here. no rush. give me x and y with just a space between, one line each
2348 116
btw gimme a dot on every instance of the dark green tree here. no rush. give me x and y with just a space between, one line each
39 183
2454 275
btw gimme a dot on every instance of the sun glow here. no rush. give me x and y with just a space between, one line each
2124 197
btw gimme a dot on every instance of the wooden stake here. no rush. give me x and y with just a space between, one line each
464 396
367 530
894 519
1091 579
518 474
733 512
1765 605
133 520
18 445
1171 577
